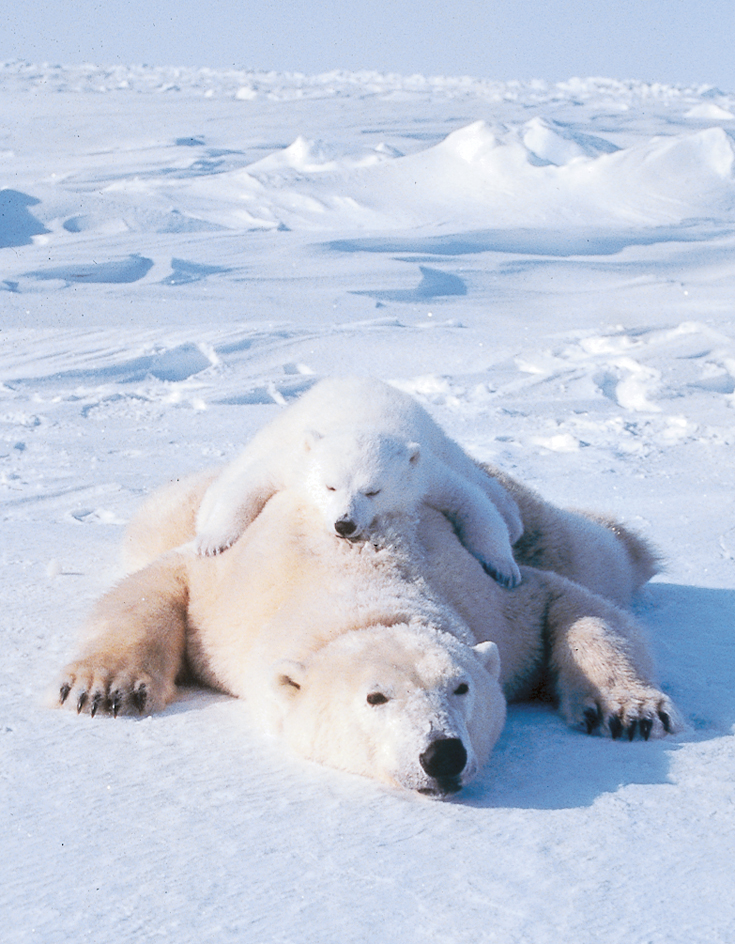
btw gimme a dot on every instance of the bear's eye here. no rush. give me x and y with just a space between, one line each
330 488
377 698
462 689
372 493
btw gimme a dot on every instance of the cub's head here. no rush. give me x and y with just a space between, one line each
357 476
408 706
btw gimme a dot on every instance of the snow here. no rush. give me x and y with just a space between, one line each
549 269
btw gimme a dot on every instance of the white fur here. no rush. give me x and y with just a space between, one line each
362 451
371 658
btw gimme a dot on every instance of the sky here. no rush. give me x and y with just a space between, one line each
670 41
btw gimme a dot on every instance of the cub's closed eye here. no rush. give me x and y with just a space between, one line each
377 698
462 689
372 493
330 488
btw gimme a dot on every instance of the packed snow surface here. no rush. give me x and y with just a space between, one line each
550 270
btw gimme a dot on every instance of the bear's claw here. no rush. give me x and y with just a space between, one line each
99 694
644 720
592 719
139 696
507 581
210 546
97 700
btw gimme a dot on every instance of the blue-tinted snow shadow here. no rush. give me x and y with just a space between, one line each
172 365
268 394
539 763
433 284
184 272
17 225
122 271
532 242
118 271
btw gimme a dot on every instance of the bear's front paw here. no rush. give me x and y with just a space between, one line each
208 544
507 575
92 688
648 713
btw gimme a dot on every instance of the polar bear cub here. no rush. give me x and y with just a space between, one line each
363 451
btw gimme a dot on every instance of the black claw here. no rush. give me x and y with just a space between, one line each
592 719
646 724
139 698
665 721
631 730
505 581
64 692
616 727
97 700
81 702
491 572
116 699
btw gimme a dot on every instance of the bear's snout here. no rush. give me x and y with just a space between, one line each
345 527
444 758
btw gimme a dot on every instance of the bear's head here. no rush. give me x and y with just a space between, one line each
359 476
406 705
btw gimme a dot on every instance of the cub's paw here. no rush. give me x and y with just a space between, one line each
209 544
93 688
646 713
506 573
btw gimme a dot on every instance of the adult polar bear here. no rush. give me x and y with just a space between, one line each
363 449
391 660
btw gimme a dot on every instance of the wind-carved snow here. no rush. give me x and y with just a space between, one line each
535 174
548 268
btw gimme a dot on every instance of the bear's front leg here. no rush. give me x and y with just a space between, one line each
230 504
601 667
134 644
478 523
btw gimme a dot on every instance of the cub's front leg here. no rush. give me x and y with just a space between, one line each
134 644
479 524
601 667
231 503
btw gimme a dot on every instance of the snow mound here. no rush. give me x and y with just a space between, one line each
481 175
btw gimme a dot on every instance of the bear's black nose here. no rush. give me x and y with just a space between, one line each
445 757
345 527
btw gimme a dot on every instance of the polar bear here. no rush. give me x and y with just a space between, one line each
389 659
362 451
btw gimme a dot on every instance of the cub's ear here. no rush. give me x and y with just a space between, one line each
288 677
311 438
414 452
489 656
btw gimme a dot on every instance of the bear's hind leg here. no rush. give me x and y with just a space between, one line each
135 644
602 669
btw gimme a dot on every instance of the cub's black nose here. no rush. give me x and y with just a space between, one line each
445 757
345 527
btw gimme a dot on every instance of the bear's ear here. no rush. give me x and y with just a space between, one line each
489 656
288 678
311 438
414 451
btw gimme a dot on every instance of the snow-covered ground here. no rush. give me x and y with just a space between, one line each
550 269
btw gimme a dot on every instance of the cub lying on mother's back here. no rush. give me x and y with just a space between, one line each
362 451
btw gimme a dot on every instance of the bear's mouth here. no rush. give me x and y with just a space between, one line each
442 787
